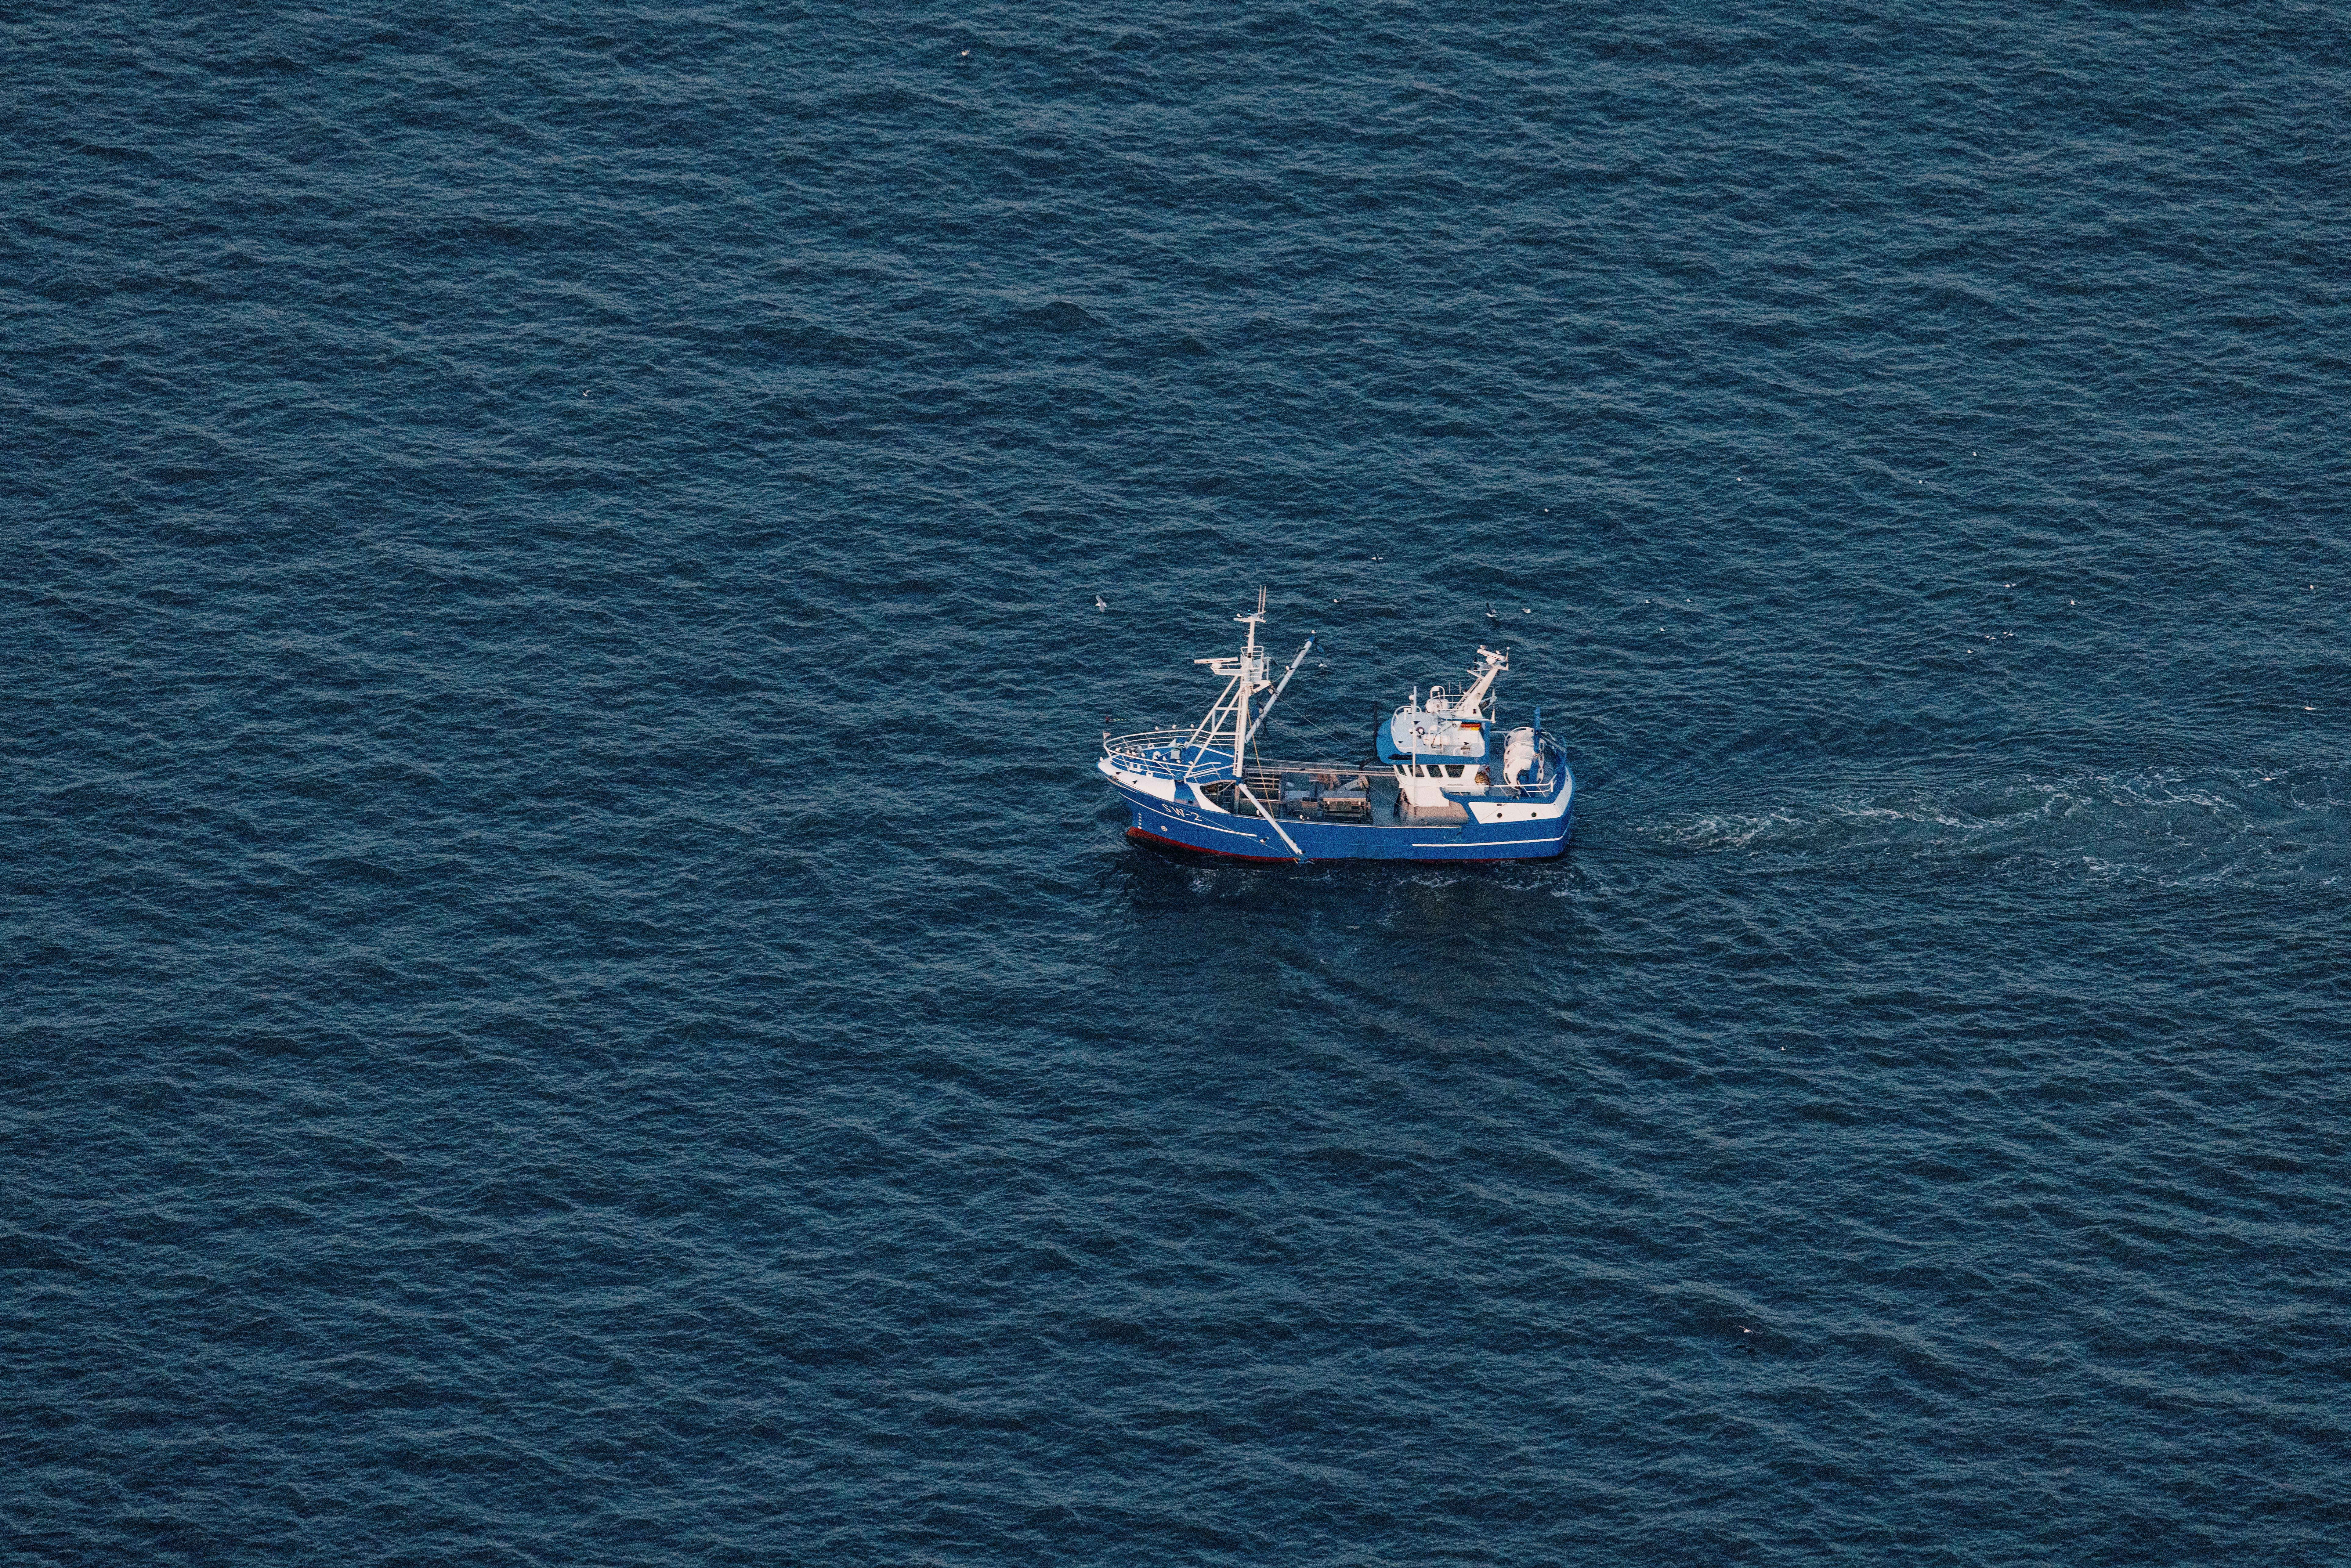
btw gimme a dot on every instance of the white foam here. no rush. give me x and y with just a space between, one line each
2193 827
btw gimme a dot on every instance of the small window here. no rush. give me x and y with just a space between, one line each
1452 772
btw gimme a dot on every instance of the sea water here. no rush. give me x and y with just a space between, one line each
574 995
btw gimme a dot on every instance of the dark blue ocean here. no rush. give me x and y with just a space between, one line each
574 995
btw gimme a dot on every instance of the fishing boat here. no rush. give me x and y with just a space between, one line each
1446 781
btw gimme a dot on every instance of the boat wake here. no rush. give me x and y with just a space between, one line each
2185 827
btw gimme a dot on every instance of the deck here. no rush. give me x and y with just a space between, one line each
1357 792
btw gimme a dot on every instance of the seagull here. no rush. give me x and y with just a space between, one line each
1098 603
965 52
1489 613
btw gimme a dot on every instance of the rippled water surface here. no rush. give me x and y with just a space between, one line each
574 997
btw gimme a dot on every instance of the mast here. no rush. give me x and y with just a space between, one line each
1246 683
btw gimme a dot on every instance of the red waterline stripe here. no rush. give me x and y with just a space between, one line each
1195 848
1284 860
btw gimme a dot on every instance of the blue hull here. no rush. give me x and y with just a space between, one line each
1182 825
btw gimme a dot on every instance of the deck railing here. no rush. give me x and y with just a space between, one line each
1172 754
1168 753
